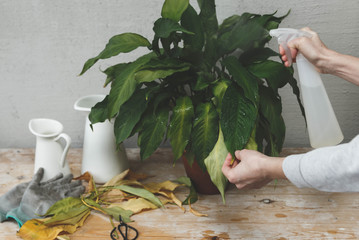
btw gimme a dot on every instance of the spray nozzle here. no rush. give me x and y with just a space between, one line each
284 35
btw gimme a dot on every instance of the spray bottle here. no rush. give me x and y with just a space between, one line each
323 127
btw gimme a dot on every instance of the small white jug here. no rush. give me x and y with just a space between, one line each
100 156
49 153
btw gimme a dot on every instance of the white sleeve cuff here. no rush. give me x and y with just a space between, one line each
292 170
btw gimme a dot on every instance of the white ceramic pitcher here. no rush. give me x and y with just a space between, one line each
49 152
100 157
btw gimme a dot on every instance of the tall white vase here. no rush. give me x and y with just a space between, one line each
100 157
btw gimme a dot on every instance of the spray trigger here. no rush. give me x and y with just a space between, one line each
285 35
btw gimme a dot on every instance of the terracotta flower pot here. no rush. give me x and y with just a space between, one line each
200 179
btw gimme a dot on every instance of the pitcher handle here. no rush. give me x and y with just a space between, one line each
66 149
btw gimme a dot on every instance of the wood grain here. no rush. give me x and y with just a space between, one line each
276 211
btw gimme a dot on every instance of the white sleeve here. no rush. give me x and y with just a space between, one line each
330 169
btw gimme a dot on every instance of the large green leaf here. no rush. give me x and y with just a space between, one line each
205 131
244 79
125 84
228 24
192 22
173 9
238 118
275 73
208 17
163 27
180 126
273 22
271 109
209 22
214 163
129 115
153 131
99 112
256 55
113 71
204 79
242 36
160 68
122 43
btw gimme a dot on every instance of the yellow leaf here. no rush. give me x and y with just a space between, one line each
113 194
114 181
157 187
173 198
196 213
135 205
35 229
136 176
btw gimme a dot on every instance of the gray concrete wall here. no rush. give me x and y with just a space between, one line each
44 44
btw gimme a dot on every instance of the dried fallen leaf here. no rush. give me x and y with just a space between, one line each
88 178
173 197
136 176
196 213
136 205
141 192
116 179
157 187
36 229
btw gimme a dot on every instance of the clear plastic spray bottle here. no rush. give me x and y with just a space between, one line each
323 126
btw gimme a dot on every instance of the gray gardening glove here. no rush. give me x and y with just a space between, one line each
39 197
12 198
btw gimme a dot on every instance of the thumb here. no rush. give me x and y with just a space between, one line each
226 167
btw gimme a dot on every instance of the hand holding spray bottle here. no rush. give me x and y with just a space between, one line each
323 127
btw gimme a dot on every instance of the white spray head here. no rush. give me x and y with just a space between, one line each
285 35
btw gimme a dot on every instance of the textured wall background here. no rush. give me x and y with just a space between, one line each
44 44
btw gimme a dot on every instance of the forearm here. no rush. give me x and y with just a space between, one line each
340 65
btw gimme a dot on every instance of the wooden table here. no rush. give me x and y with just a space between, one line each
291 214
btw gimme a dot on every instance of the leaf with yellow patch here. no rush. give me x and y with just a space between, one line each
214 162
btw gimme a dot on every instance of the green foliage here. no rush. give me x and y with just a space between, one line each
209 88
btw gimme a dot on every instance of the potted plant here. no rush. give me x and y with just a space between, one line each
208 88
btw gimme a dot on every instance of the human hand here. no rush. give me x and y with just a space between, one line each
252 169
313 49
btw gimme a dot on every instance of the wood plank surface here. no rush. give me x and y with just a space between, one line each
291 214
